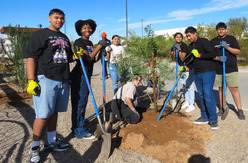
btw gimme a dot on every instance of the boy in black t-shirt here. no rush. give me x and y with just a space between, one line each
48 55
103 52
204 72
232 49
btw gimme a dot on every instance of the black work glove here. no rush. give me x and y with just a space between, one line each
104 43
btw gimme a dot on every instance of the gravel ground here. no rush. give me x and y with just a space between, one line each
228 144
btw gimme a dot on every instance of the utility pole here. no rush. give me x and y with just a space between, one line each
126 22
142 28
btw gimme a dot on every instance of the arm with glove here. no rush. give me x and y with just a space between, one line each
206 51
91 56
234 51
220 58
131 106
33 87
108 51
181 53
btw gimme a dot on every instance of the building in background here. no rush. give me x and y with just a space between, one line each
5 43
170 32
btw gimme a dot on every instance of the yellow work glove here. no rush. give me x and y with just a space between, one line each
79 53
33 87
196 53
184 69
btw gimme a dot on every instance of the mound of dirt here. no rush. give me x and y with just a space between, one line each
172 139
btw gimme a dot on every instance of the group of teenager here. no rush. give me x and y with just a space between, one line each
206 70
49 53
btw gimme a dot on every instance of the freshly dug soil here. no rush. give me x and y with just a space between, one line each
172 139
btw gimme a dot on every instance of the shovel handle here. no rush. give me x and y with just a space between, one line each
103 88
91 93
224 72
169 97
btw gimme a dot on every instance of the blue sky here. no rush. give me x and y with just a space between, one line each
110 15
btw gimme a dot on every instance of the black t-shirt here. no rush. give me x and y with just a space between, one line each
52 50
206 62
231 63
184 48
86 45
103 51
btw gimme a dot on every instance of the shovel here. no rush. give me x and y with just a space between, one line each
175 85
107 125
106 144
176 67
226 110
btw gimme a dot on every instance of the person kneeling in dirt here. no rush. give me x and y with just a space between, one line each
124 102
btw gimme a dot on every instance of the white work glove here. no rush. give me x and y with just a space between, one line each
108 49
135 102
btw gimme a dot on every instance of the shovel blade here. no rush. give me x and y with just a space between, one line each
108 127
98 132
106 145
224 115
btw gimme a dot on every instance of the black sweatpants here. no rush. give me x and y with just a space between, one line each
123 112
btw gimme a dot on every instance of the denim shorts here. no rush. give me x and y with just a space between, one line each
53 97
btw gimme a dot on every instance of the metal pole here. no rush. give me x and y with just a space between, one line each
126 22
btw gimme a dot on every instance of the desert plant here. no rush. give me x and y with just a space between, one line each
16 49
139 54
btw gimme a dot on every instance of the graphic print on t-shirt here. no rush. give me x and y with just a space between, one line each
60 55
89 48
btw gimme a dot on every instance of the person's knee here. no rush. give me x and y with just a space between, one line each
132 119
234 90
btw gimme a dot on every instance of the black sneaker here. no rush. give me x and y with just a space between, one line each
241 114
214 125
220 113
57 146
200 121
34 155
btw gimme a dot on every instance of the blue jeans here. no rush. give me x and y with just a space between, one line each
204 83
113 71
79 100
189 88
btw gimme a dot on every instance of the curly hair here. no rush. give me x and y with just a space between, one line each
80 23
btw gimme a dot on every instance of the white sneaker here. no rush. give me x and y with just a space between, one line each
89 136
34 155
190 108
185 105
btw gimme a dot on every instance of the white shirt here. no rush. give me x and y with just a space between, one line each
127 90
116 54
